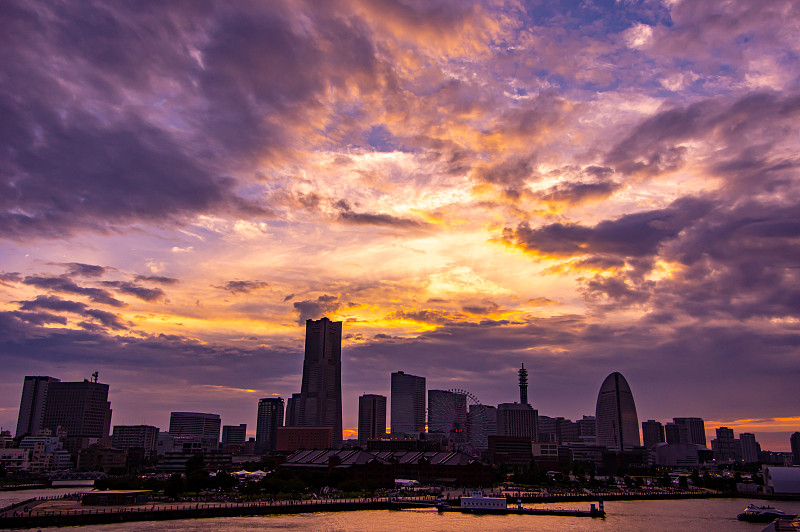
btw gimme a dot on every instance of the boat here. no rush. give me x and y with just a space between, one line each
762 514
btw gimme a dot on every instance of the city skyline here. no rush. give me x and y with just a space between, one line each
579 187
616 416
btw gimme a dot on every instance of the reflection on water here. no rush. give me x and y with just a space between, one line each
649 516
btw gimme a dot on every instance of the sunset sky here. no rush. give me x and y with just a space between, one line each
580 186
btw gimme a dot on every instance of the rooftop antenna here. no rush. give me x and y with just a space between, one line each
523 385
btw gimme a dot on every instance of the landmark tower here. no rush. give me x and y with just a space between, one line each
617 423
320 400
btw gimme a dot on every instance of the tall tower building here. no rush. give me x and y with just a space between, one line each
31 405
523 385
320 401
652 433
692 430
270 417
617 423
81 409
408 403
371 418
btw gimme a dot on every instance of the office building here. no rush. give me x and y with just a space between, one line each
202 426
481 423
320 400
672 433
794 442
371 418
726 448
617 423
517 420
691 430
31 405
291 410
447 412
408 404
652 433
750 447
233 438
587 429
270 418
680 455
557 430
136 437
80 411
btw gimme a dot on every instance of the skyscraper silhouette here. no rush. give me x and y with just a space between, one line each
617 423
408 403
320 400
31 406
81 409
270 417
371 418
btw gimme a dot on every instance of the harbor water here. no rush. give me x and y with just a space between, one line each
651 515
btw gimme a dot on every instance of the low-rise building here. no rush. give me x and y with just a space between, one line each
175 462
381 468
297 438
46 454
97 458
14 459
681 454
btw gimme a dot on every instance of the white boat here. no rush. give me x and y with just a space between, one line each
762 514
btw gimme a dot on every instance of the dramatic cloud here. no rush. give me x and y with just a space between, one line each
243 287
583 187
106 319
85 270
65 286
632 235
142 292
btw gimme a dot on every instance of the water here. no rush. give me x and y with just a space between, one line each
650 516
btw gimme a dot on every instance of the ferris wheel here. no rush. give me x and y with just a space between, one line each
461 416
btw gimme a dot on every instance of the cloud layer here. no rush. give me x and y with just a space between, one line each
467 186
